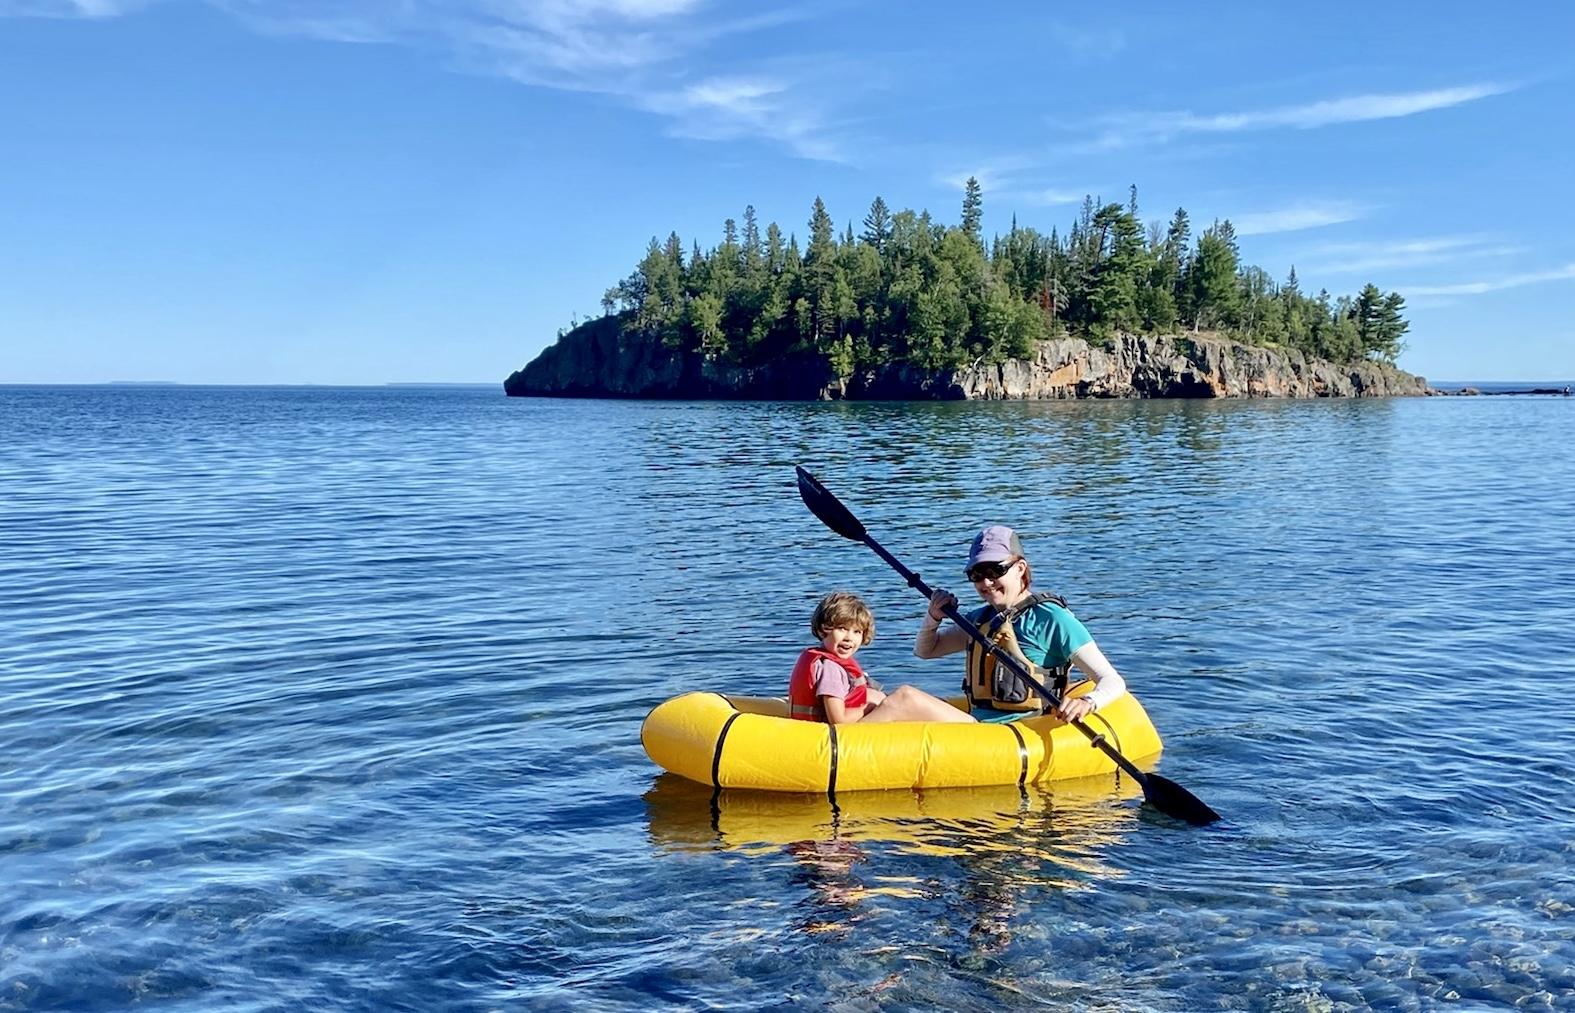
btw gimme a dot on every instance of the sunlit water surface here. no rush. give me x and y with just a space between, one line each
331 699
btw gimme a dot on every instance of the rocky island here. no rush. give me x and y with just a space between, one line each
607 361
910 309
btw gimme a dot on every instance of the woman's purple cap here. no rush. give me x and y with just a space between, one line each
995 544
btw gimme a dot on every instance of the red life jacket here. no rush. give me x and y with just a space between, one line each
804 703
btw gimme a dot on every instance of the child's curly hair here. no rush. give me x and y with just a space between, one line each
843 608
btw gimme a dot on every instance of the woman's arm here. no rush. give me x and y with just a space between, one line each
1108 684
931 641
935 643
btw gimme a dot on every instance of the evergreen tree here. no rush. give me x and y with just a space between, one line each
1211 281
877 225
972 209
1260 320
705 317
1389 326
752 253
1366 311
820 274
1114 276
776 253
1173 261
661 309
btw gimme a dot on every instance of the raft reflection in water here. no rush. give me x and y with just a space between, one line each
1005 839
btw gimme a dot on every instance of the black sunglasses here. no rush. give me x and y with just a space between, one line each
988 571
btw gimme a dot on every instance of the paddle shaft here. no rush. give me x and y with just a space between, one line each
1004 658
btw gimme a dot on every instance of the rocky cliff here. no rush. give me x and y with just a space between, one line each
599 360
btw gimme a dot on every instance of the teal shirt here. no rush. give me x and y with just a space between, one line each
1047 633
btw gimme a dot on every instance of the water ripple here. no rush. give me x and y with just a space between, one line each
331 698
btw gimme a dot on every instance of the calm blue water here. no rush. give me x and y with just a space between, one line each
330 699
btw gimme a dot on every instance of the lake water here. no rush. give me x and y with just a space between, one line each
330 698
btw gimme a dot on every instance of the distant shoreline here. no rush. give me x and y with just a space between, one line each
1451 386
489 385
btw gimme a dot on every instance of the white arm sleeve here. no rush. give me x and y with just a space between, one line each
1108 684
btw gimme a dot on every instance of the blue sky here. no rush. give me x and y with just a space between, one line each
251 191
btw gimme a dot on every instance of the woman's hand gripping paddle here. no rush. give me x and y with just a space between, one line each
1162 793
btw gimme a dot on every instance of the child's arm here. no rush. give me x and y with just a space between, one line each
838 712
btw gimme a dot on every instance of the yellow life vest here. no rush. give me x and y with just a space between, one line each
991 684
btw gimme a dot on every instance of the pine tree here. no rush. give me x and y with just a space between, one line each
877 225
973 209
1114 278
1174 262
705 317
776 258
1212 287
820 273
661 310
1385 343
1368 307
751 238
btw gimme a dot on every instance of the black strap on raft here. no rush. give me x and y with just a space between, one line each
831 780
1022 756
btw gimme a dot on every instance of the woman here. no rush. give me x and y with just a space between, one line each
1035 628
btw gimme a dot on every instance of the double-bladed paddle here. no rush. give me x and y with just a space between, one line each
1162 793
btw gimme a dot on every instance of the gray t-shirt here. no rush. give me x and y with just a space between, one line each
830 679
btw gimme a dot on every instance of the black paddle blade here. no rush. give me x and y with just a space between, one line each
1172 799
827 507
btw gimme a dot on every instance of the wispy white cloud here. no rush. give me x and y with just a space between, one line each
1306 215
725 108
994 174
1353 257
591 45
643 53
1051 197
68 8
1565 273
1357 109
1133 128
1015 179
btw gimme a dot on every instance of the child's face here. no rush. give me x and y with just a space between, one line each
842 640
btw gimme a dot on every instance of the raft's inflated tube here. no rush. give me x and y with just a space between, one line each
749 742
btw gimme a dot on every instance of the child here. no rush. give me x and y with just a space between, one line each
828 685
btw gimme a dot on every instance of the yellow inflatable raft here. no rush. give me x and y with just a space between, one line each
750 742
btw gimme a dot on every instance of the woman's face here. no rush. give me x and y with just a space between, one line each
998 584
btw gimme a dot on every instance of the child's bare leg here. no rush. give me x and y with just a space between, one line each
909 703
